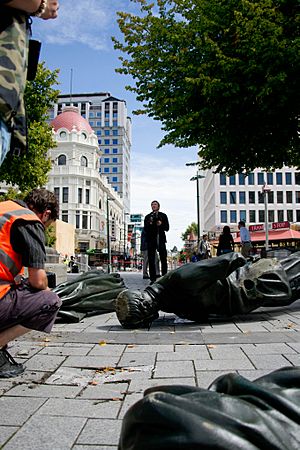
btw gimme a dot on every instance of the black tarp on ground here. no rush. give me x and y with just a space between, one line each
234 413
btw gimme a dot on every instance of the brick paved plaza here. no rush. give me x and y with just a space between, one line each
81 379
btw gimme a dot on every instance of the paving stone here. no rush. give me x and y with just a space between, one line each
65 351
226 364
149 348
253 374
204 379
71 376
267 349
271 362
44 362
47 433
295 346
75 344
140 385
115 375
94 447
110 349
15 411
44 390
24 349
80 408
252 327
5 386
6 433
106 391
222 328
91 362
294 359
137 359
225 352
100 432
174 368
184 352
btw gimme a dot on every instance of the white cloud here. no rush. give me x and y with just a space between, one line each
168 182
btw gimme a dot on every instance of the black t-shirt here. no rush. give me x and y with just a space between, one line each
28 239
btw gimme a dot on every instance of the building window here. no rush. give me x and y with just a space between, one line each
64 216
260 178
251 196
222 179
106 123
297 193
106 141
56 193
79 195
106 169
115 132
106 115
280 216
91 114
290 215
91 122
232 180
106 132
278 178
84 220
115 169
100 204
98 123
250 179
77 219
115 123
297 177
271 215
223 216
98 114
243 215
106 160
298 215
279 196
115 141
115 179
115 160
261 216
106 151
83 161
242 198
115 188
223 198
289 196
252 216
87 196
115 150
98 133
241 179
88 182
233 216
232 197
65 198
269 178
62 160
261 198
288 178
270 197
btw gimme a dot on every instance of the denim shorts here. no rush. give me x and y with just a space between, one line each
5 138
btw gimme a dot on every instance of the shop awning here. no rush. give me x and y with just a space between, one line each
274 235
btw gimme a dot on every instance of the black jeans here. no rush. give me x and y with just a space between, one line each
163 260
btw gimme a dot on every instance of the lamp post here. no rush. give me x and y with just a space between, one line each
196 178
265 191
108 234
125 238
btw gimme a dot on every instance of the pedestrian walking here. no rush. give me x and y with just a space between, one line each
245 239
226 242
204 248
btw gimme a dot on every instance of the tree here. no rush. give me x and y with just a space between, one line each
30 170
221 74
191 229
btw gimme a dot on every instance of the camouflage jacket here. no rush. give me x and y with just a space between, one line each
13 68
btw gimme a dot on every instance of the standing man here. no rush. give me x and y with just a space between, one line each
25 304
204 248
14 36
156 224
245 239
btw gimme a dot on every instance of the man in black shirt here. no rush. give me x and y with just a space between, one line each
25 304
155 225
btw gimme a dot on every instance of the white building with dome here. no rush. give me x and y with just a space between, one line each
85 197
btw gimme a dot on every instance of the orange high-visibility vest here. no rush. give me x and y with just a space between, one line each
10 261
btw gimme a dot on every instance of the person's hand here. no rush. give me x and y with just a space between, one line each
159 222
51 11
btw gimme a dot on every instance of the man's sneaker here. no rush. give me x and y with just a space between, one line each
9 368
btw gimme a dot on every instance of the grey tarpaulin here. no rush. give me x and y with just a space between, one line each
234 413
91 293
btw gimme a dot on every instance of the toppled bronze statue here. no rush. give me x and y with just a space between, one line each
226 285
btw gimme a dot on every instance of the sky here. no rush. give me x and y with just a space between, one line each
80 39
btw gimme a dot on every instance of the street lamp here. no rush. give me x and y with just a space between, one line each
125 238
197 177
108 234
265 191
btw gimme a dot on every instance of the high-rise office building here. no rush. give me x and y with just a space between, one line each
108 118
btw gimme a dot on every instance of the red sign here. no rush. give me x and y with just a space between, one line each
259 227
279 225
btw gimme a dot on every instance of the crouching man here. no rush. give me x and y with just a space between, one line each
25 304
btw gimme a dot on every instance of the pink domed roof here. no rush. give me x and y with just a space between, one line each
70 119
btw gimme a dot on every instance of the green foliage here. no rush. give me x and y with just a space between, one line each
193 228
30 170
50 237
223 75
